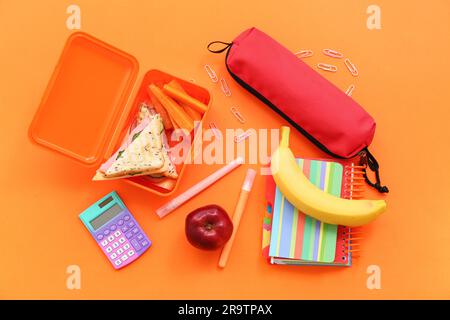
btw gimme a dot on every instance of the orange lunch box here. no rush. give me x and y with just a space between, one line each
84 113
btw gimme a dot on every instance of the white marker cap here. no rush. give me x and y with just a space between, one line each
249 178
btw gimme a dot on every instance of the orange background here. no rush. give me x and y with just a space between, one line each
403 83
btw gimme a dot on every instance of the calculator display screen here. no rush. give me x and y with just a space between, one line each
106 216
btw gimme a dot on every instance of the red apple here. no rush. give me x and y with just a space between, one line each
208 227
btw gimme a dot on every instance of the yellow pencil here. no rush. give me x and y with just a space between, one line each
243 197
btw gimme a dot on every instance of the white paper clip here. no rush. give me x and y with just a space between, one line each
237 114
350 89
243 136
211 73
224 86
304 54
351 67
214 129
332 53
327 67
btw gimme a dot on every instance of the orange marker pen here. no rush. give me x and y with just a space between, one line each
243 197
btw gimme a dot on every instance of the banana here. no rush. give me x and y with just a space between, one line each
311 200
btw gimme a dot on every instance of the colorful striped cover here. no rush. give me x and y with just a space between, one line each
295 235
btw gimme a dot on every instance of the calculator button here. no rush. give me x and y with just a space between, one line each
136 244
100 237
104 243
119 251
117 233
126 218
135 230
130 224
106 232
110 238
125 229
130 253
120 222
113 227
126 247
118 262
129 235
113 256
115 244
144 243
108 250
122 240
140 237
124 257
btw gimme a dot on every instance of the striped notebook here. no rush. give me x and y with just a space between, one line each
292 237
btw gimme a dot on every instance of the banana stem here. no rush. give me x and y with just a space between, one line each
284 136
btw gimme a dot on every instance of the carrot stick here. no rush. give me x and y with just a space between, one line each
175 125
175 111
194 114
184 98
167 121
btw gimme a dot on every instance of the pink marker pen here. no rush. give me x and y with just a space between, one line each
197 188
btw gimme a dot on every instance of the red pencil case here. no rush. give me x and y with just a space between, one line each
328 117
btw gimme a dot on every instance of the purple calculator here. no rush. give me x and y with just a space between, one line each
115 230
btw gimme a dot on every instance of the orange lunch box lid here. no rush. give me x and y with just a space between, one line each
85 100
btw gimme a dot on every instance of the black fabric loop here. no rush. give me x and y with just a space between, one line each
227 45
372 163
377 185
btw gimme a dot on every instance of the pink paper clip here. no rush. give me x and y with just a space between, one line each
332 53
211 73
224 86
214 129
304 54
237 114
327 67
350 89
351 67
243 136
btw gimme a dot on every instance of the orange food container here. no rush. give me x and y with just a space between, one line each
84 114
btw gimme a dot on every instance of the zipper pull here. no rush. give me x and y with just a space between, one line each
362 158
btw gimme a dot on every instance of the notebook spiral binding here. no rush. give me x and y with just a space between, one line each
353 188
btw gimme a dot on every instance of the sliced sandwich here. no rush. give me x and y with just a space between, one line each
146 112
141 153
